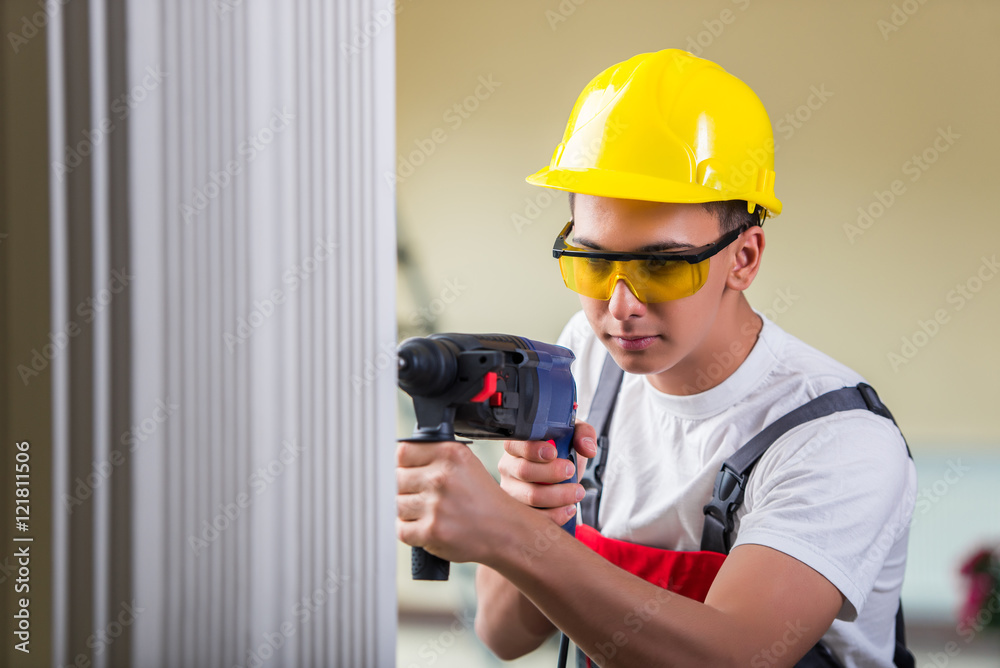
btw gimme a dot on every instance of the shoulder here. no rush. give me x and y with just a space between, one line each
851 449
847 452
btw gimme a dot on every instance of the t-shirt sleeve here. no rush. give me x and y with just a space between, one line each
836 494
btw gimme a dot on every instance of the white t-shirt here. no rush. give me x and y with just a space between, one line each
836 493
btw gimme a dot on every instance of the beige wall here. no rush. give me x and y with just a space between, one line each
890 93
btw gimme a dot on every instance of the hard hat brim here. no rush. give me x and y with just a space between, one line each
607 183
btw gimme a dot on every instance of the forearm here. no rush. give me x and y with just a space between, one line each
506 621
615 617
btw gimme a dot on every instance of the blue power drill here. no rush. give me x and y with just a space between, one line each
487 386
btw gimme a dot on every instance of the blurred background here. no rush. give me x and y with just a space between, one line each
884 257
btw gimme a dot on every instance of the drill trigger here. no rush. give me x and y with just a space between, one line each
489 387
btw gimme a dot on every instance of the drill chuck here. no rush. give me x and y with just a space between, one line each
427 367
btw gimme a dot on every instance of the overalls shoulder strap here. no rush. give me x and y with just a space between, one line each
599 417
731 480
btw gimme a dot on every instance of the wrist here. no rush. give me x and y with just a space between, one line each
521 539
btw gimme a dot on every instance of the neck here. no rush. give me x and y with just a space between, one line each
720 353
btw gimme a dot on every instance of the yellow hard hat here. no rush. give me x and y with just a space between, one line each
666 127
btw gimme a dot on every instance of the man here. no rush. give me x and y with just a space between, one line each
669 162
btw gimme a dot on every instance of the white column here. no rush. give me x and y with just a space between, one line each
260 241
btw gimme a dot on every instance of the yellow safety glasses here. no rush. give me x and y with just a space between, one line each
652 277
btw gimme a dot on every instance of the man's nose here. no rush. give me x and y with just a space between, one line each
624 303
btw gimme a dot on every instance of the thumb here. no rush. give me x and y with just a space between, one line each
585 440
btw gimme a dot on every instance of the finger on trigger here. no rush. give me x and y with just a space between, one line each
534 451
547 473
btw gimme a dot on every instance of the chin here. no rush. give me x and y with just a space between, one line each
642 363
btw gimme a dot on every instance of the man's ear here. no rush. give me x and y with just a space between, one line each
746 259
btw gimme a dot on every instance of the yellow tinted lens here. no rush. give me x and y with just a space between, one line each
654 281
590 277
661 281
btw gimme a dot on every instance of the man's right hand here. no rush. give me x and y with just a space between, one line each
530 469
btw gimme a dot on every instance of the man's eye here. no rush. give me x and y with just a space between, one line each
598 264
659 266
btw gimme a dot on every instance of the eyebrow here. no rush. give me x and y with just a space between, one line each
649 248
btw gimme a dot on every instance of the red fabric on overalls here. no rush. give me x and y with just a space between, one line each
689 574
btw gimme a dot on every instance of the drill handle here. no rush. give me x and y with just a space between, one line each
564 450
423 564
427 566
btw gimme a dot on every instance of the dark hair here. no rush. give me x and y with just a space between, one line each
732 214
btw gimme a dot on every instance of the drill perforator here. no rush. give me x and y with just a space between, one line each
487 386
